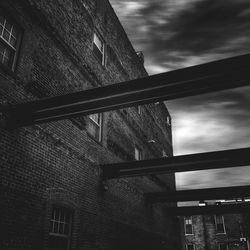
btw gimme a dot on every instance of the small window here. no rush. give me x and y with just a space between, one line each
60 228
9 42
99 48
138 109
95 126
190 247
219 223
223 246
188 225
138 154
168 121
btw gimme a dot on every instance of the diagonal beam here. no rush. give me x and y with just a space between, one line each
201 161
209 77
199 194
211 209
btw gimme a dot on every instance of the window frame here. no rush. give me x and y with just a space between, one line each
70 224
6 44
97 125
136 148
185 224
103 52
216 224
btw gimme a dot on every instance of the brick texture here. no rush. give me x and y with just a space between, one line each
57 163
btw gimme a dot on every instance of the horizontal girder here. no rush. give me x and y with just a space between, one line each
211 209
192 162
214 76
199 194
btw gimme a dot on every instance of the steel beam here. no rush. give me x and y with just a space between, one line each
209 77
192 162
199 194
210 209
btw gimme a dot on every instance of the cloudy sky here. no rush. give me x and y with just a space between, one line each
178 33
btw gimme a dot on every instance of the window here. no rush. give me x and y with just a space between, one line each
99 48
95 126
190 247
60 227
138 154
168 121
219 223
9 40
223 246
188 225
138 109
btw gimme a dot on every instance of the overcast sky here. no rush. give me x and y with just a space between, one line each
178 33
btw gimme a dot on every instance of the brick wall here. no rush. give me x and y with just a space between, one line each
205 236
57 163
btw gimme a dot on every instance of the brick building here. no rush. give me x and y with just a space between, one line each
51 191
214 232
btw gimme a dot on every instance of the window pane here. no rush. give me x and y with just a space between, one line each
61 228
98 42
6 35
93 129
138 154
98 54
55 227
14 32
8 26
189 229
13 41
95 117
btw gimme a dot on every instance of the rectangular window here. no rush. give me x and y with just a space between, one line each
9 40
138 154
219 223
95 126
99 48
60 223
138 109
190 247
188 225
223 246
60 228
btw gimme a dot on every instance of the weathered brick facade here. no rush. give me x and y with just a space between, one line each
207 236
57 163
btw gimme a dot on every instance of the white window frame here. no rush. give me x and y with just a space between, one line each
98 125
7 44
60 222
188 224
102 51
223 223
190 244
137 149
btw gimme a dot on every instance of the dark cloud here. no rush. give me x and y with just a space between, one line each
179 33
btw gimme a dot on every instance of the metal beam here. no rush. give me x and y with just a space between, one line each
199 194
209 77
211 209
192 162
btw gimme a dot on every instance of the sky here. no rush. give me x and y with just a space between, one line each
175 34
